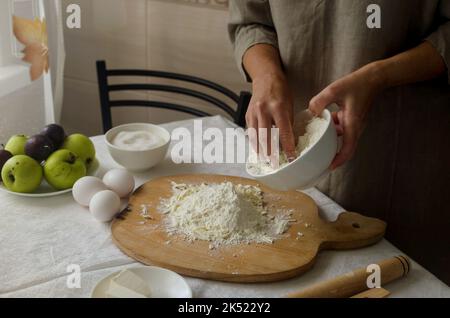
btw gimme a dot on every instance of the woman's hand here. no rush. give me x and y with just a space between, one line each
354 94
272 104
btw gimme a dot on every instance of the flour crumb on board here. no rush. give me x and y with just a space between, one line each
145 212
222 214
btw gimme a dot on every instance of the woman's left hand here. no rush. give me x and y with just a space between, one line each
354 95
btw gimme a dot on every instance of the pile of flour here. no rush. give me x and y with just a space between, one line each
313 131
222 214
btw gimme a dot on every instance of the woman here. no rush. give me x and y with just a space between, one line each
394 162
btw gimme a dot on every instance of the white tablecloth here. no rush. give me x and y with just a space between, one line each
40 237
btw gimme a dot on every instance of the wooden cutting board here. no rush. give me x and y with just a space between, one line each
147 242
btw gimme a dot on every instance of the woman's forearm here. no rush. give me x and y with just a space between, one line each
262 60
415 65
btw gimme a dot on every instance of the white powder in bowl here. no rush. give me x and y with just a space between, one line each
137 140
222 214
313 131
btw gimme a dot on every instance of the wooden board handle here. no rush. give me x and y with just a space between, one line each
355 282
373 293
352 230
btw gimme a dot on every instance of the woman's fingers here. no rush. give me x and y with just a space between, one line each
337 125
286 134
252 125
319 102
350 137
335 117
260 124
264 134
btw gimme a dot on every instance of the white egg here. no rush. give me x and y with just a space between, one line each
105 205
85 188
120 181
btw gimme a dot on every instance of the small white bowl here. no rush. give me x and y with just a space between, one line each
138 160
161 282
305 171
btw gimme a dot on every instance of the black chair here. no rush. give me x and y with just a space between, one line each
240 101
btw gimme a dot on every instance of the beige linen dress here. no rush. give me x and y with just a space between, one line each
401 169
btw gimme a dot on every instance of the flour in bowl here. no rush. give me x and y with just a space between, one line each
313 131
222 214
137 140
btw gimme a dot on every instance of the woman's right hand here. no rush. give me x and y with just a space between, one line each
272 105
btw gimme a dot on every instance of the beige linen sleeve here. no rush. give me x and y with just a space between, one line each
440 38
250 23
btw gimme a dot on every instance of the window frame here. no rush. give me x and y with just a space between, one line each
6 49
14 74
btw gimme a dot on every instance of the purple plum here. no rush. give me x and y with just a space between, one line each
5 155
55 133
39 147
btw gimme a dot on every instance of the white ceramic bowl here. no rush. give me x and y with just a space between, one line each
310 167
138 160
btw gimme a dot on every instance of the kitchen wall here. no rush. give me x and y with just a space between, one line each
184 36
22 112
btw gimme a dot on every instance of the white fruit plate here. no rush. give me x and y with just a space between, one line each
45 190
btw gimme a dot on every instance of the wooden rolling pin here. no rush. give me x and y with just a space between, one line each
355 282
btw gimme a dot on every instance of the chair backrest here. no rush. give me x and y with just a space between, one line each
241 101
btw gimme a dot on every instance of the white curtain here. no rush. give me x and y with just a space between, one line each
55 29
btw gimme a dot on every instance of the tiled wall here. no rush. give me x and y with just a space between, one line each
184 36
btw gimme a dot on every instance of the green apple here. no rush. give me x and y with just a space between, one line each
22 174
63 168
16 145
82 146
